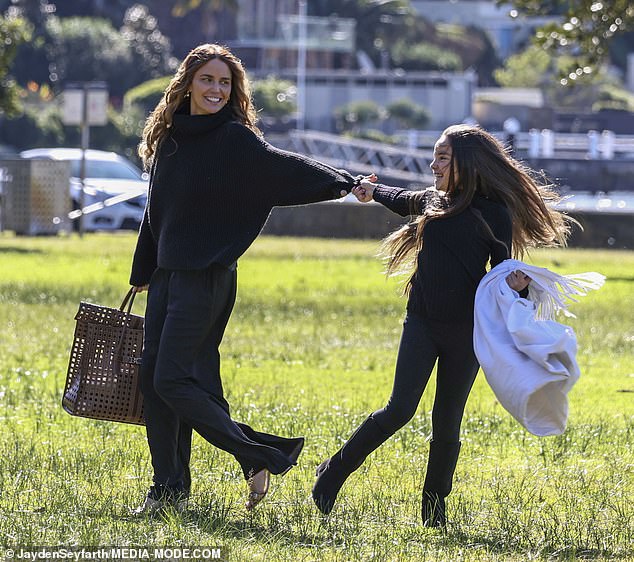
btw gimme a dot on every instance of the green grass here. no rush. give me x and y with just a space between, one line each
310 350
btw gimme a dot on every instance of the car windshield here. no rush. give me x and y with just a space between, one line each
105 169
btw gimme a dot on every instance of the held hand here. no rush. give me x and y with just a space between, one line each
360 193
365 190
140 288
517 281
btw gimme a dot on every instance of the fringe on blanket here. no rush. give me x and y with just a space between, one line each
553 293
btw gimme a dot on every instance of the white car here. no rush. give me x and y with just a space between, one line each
108 175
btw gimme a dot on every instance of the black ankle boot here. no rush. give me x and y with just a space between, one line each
333 472
441 466
331 476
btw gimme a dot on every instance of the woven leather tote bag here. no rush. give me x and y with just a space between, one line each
103 379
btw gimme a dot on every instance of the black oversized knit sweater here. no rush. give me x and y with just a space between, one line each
455 251
213 186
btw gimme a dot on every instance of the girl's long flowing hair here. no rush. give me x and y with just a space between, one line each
484 166
160 120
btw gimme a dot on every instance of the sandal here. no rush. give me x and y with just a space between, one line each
258 488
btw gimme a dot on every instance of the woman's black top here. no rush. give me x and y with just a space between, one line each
213 186
455 251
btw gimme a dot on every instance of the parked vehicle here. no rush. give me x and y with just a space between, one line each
108 175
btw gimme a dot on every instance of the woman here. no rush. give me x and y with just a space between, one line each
484 206
214 181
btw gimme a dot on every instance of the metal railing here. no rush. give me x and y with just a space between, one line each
360 156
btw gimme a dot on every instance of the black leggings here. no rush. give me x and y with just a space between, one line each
422 343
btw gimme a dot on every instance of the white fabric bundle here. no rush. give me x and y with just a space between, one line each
529 360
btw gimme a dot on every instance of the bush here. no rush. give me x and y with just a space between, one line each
424 56
40 125
146 95
274 97
409 114
371 135
36 126
357 114
614 98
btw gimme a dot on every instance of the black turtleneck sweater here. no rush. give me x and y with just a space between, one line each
213 186
455 251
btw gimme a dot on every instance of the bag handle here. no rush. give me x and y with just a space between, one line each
129 300
126 308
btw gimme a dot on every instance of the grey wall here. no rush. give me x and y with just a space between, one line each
373 221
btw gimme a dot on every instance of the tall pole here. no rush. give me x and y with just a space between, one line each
301 67
85 143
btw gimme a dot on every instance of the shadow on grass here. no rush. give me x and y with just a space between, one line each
236 527
233 526
581 552
16 250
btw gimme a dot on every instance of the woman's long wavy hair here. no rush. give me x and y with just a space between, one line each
160 120
484 166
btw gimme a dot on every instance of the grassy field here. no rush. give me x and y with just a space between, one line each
310 351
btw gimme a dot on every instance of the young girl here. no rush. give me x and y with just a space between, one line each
484 206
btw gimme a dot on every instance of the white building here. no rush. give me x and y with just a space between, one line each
446 95
268 43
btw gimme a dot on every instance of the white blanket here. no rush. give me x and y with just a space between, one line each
529 360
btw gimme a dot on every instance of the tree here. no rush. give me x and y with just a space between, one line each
86 49
379 22
587 29
527 69
31 62
535 68
150 49
13 31
215 16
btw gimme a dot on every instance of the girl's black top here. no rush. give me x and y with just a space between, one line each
455 251
213 186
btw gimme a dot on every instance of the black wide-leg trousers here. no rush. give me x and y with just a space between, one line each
186 316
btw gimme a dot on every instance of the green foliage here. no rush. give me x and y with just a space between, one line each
356 118
535 67
379 22
310 350
527 69
424 56
408 114
371 135
151 51
358 114
85 49
585 34
182 7
472 45
122 132
36 126
273 97
13 32
148 94
40 125
614 98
